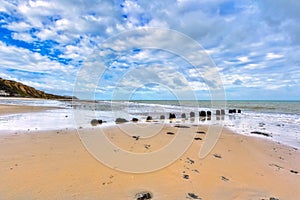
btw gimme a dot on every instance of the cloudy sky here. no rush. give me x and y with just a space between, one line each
251 49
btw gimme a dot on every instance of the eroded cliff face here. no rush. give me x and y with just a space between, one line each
17 89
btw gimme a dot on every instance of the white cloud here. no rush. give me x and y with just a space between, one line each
245 39
19 26
271 56
24 62
46 34
243 59
254 66
197 85
23 36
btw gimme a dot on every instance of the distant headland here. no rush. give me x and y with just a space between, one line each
9 88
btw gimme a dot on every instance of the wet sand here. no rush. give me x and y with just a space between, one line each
13 109
56 165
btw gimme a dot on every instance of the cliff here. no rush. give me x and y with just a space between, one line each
17 89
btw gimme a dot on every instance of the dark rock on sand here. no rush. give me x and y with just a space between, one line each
183 116
149 118
222 112
208 113
261 133
197 138
181 126
186 176
96 122
293 171
143 195
193 196
202 114
135 119
217 155
172 116
121 120
162 117
273 198
224 178
136 137
170 133
200 132
192 114
190 160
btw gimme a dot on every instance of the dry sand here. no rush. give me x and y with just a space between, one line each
56 165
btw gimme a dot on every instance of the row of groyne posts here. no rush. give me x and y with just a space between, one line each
203 115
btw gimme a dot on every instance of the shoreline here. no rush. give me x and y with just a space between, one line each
64 116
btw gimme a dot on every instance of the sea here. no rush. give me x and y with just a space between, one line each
278 119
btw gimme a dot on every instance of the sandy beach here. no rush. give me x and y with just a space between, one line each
56 165
12 109
149 100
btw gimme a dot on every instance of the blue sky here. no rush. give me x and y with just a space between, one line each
254 45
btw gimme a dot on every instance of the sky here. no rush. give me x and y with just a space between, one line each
168 49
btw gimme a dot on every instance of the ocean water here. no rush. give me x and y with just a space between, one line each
34 102
280 119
